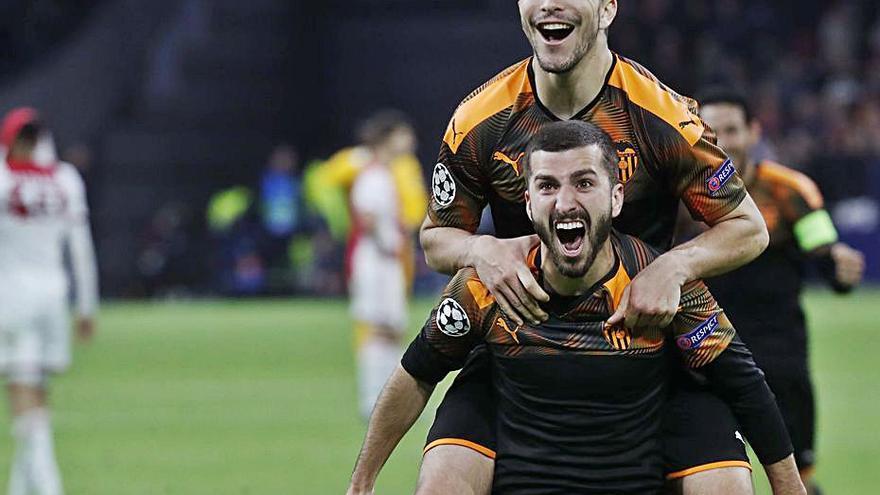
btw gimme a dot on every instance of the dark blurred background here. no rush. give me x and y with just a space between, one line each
176 111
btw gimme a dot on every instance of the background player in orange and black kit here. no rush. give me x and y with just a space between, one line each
665 154
763 297
579 401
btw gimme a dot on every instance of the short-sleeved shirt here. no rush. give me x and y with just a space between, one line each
665 152
578 403
764 295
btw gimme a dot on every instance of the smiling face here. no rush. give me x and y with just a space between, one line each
562 32
571 200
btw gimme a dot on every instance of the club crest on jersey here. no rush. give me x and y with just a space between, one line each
452 319
442 185
618 337
627 161
720 177
695 337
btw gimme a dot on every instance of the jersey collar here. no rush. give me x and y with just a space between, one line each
582 112
613 282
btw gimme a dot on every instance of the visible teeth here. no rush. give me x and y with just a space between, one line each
577 224
555 25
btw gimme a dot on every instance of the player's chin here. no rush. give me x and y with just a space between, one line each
555 62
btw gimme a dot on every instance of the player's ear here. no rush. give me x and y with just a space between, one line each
616 199
528 204
607 13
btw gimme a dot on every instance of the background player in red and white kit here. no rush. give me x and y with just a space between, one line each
666 155
763 298
42 208
378 283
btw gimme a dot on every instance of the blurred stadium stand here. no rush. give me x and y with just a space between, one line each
181 98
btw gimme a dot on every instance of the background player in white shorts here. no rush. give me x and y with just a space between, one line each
42 208
377 283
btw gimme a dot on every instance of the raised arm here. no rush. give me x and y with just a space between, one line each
399 405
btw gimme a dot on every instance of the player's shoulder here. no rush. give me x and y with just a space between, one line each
789 180
492 97
645 91
67 173
466 291
634 253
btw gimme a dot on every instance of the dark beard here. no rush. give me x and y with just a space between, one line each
595 238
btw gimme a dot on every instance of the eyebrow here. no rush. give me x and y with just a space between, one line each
581 173
545 177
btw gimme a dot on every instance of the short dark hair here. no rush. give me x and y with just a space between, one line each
572 134
714 95
376 128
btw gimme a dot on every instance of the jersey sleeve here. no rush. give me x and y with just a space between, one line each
453 329
458 185
75 190
701 174
700 328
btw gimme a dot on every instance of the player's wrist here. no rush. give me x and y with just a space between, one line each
475 253
675 264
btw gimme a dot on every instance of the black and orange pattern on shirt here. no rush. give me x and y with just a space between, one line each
665 153
596 427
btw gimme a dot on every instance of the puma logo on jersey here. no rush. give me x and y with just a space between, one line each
513 162
685 123
455 133
503 324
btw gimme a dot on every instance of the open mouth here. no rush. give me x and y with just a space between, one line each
555 32
571 236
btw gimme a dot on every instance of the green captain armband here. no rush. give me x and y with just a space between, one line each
814 230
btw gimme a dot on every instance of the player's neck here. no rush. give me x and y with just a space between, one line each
566 94
567 286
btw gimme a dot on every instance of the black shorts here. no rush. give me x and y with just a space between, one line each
790 382
699 434
467 414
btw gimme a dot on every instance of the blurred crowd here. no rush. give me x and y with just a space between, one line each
811 69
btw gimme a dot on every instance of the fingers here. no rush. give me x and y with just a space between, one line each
620 312
531 285
636 311
502 295
524 307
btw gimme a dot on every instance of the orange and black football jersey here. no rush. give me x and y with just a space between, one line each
763 296
578 404
665 153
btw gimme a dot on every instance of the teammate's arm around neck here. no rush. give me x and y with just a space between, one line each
735 239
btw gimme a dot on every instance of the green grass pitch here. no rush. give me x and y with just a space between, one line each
258 397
